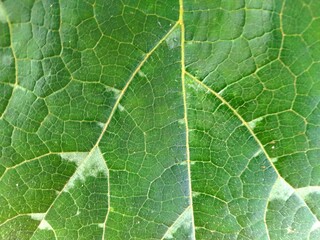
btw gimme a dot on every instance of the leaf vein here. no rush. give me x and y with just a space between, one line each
183 72
252 134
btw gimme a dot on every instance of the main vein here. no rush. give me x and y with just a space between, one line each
183 72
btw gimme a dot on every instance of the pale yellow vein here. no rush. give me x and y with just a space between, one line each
183 71
250 131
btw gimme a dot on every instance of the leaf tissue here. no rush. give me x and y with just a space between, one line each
160 119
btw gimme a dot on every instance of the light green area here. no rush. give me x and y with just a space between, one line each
167 119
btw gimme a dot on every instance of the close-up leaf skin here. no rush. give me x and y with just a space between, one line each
160 119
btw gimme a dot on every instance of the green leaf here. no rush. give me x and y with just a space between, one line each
167 119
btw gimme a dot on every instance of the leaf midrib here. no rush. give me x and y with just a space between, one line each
183 82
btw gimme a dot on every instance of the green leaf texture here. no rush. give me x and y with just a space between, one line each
160 119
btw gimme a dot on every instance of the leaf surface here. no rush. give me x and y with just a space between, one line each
159 119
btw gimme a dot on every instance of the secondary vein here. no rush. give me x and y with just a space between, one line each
146 57
250 131
117 104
